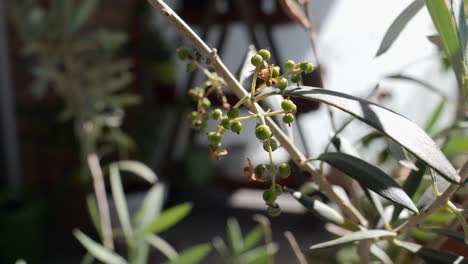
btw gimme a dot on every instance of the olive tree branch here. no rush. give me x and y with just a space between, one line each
215 62
438 202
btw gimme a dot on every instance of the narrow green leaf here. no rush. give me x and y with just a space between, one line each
319 209
234 234
120 201
162 245
429 127
450 233
258 255
432 256
151 207
192 255
424 84
411 185
391 124
398 25
445 25
82 14
356 236
93 212
168 218
369 176
253 237
139 169
97 250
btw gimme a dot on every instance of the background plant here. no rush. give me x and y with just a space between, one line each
82 66
370 231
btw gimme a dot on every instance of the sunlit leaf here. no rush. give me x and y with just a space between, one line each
97 250
319 209
162 245
192 255
253 237
393 125
380 254
369 176
398 25
120 201
168 218
235 235
139 169
356 236
151 207
446 27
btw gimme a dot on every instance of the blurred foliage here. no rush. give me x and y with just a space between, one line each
81 64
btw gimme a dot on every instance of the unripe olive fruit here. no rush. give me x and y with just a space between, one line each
214 137
206 103
269 196
217 113
226 123
261 171
191 67
288 118
275 72
263 132
287 105
289 65
183 53
284 170
304 65
264 53
236 126
233 113
270 143
310 68
256 60
274 211
282 84
296 78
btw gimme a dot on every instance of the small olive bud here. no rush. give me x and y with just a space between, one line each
270 143
282 84
263 132
310 68
287 105
269 196
256 60
206 103
217 113
275 72
264 53
233 113
288 118
183 53
304 65
226 123
289 65
296 78
236 126
284 170
261 171
214 137
274 211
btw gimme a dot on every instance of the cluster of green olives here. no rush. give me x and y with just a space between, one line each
232 121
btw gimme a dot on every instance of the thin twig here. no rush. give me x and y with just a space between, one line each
440 201
101 197
295 247
215 62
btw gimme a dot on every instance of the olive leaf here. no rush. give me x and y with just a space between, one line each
393 125
356 236
370 177
398 25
